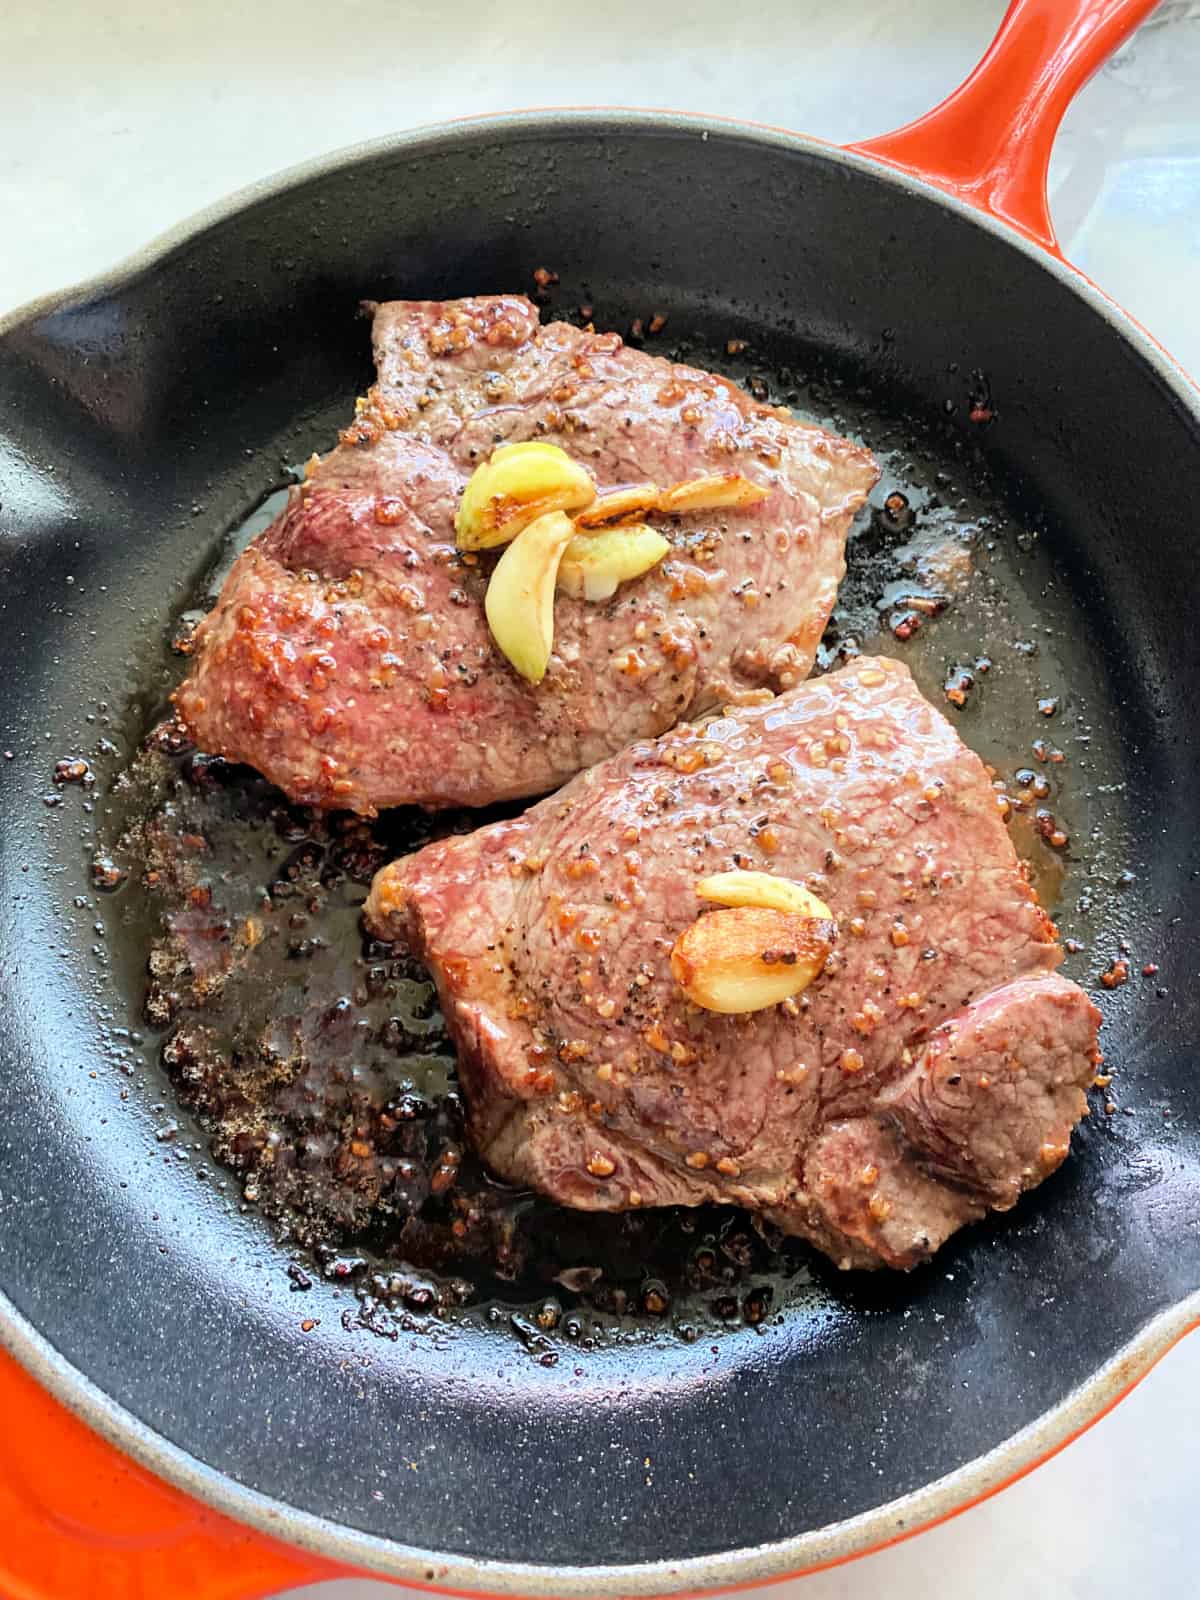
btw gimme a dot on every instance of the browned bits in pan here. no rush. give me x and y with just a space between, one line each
73 770
106 874
1049 829
445 1174
898 509
959 685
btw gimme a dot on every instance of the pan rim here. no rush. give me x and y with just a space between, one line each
806 1552
892 1522
543 121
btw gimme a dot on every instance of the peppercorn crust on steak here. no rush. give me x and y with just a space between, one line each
348 657
930 1073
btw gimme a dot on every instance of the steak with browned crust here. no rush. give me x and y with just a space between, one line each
348 657
933 1071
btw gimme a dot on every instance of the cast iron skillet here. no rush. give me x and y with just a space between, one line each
135 417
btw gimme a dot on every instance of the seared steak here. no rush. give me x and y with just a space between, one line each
931 1072
348 657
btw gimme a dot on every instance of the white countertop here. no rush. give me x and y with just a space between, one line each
119 119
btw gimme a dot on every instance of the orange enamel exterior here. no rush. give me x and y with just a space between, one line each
128 1535
80 1520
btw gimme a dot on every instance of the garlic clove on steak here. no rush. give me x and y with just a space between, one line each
633 501
708 494
746 958
595 563
519 603
517 484
763 889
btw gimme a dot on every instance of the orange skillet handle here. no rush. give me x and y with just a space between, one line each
989 143
80 1521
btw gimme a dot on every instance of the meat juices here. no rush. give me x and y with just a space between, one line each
348 658
931 1073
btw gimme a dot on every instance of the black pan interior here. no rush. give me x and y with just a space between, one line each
142 421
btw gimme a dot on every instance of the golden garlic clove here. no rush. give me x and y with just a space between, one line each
763 889
595 563
747 958
519 603
518 483
633 501
708 494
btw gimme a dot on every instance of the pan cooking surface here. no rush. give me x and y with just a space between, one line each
137 425
317 1060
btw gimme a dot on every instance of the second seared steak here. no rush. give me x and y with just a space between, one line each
348 657
933 1071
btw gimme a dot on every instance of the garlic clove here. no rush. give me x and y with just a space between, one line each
595 563
519 603
633 501
746 958
516 485
708 494
762 889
